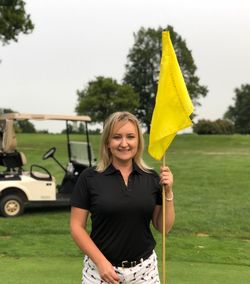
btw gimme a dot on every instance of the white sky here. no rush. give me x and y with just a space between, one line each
75 41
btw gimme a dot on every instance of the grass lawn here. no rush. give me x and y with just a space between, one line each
210 242
65 270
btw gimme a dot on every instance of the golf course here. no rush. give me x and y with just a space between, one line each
209 243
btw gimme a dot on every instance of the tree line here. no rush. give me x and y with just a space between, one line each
136 92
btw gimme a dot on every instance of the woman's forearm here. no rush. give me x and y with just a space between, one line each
86 245
169 219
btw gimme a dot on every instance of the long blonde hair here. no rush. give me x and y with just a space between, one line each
105 157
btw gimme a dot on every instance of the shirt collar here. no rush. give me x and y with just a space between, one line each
111 169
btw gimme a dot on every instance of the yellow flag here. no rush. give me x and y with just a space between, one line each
173 105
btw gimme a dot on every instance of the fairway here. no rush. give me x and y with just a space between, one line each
66 270
210 241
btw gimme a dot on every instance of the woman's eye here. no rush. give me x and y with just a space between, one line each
116 137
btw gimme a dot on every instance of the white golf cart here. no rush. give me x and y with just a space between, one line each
37 187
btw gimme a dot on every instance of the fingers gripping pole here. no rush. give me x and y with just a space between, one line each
163 228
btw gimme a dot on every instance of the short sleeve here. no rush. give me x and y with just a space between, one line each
80 197
158 188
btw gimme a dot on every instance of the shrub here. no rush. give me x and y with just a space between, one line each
219 126
225 126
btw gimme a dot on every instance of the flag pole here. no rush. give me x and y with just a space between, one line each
163 227
172 111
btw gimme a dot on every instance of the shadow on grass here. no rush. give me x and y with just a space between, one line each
50 209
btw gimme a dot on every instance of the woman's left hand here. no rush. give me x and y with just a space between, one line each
166 178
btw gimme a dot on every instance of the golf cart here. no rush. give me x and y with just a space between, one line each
37 187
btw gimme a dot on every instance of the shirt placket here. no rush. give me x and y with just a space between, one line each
129 186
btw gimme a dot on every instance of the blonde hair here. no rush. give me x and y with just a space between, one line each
105 156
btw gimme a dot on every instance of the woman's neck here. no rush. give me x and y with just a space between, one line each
123 167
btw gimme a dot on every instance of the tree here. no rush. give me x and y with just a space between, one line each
104 96
239 114
26 126
13 20
142 69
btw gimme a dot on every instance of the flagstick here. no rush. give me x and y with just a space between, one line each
163 227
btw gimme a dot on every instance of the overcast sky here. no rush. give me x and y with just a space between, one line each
75 41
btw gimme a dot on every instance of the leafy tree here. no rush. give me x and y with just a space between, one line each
104 96
26 126
142 69
13 20
240 112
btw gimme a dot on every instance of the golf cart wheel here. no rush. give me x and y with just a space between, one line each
11 206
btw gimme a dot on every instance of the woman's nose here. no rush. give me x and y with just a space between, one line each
124 142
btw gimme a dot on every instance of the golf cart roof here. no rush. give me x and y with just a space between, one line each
31 116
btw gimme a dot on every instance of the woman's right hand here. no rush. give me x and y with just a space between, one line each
107 273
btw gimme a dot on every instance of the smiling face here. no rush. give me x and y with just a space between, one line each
123 142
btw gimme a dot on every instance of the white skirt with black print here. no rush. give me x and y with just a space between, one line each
144 272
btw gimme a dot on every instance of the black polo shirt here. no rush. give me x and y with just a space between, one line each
120 214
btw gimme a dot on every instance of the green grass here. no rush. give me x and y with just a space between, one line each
210 241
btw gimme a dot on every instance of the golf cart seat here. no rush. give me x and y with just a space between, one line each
13 161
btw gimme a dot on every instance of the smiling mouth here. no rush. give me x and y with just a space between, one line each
123 150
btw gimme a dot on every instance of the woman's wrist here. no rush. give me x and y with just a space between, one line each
169 196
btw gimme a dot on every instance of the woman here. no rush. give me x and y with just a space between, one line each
123 196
